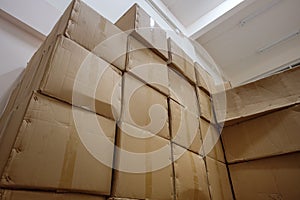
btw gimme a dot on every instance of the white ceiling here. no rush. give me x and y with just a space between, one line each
235 47
189 11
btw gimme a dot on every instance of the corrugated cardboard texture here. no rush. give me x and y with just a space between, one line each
28 195
144 107
48 153
206 105
211 138
77 20
277 91
139 23
183 92
272 134
185 128
146 65
271 178
181 61
204 79
86 27
79 77
115 198
218 179
190 173
31 81
157 184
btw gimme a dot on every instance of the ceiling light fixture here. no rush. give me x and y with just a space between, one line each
271 45
258 12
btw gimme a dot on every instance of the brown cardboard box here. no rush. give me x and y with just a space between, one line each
183 92
146 171
116 198
204 79
218 180
52 153
206 105
77 76
144 107
271 93
137 22
146 65
181 61
30 195
272 178
272 134
212 145
190 173
30 81
86 27
185 128
76 23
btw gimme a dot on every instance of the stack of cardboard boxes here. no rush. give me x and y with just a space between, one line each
108 111
92 86
261 137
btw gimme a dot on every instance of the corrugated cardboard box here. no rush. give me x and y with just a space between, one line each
140 174
144 107
49 152
190 173
143 27
30 81
204 79
185 129
76 23
218 180
181 61
31 195
146 65
77 76
206 105
272 134
183 92
271 178
212 145
116 198
86 27
265 95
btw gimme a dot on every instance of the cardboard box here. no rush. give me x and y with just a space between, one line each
116 198
211 138
51 153
143 165
146 65
265 95
218 180
271 178
34 195
185 129
78 77
206 105
181 61
190 173
86 27
272 134
204 79
183 92
138 23
144 107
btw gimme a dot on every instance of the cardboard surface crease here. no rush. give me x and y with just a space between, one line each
271 178
272 134
49 152
218 179
191 185
138 23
